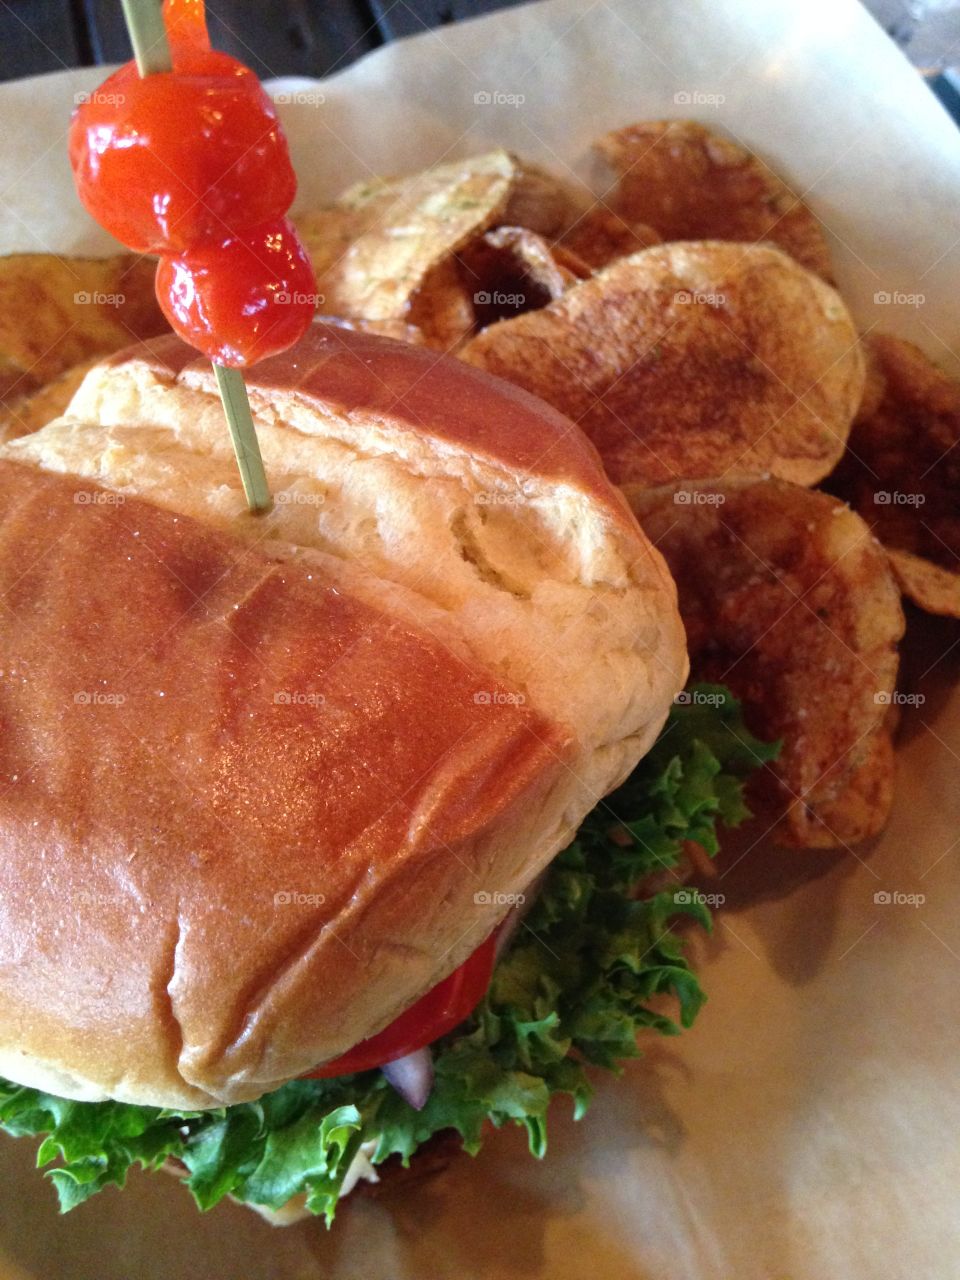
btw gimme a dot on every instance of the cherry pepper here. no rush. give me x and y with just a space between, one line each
192 165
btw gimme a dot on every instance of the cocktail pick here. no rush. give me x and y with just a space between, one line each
148 35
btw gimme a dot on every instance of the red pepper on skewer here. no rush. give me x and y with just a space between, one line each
192 164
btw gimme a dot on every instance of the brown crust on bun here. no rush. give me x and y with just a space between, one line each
392 694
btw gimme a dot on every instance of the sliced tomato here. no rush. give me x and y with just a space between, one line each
439 1011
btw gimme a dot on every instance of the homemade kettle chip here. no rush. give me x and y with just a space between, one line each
691 184
693 359
902 472
788 599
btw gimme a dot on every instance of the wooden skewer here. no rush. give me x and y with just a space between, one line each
148 35
236 405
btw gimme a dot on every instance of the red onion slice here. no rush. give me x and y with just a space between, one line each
412 1076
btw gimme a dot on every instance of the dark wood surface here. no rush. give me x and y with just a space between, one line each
275 37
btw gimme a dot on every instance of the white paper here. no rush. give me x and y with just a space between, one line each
807 1128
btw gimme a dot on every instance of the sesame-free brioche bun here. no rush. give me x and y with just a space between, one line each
266 780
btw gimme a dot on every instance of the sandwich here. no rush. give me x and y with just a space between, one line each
306 860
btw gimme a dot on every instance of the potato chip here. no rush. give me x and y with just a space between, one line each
934 589
30 413
691 184
789 600
693 359
441 310
58 312
862 807
373 250
511 270
601 236
902 472
542 202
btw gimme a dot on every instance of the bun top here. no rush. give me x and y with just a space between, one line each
263 781
411 391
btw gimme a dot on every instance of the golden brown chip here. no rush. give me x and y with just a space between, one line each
691 184
442 308
788 599
693 360
901 471
601 236
934 589
373 250
58 312
32 412
862 807
511 270
542 202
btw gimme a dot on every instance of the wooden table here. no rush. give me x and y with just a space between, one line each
292 37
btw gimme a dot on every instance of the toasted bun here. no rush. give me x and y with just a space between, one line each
264 781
